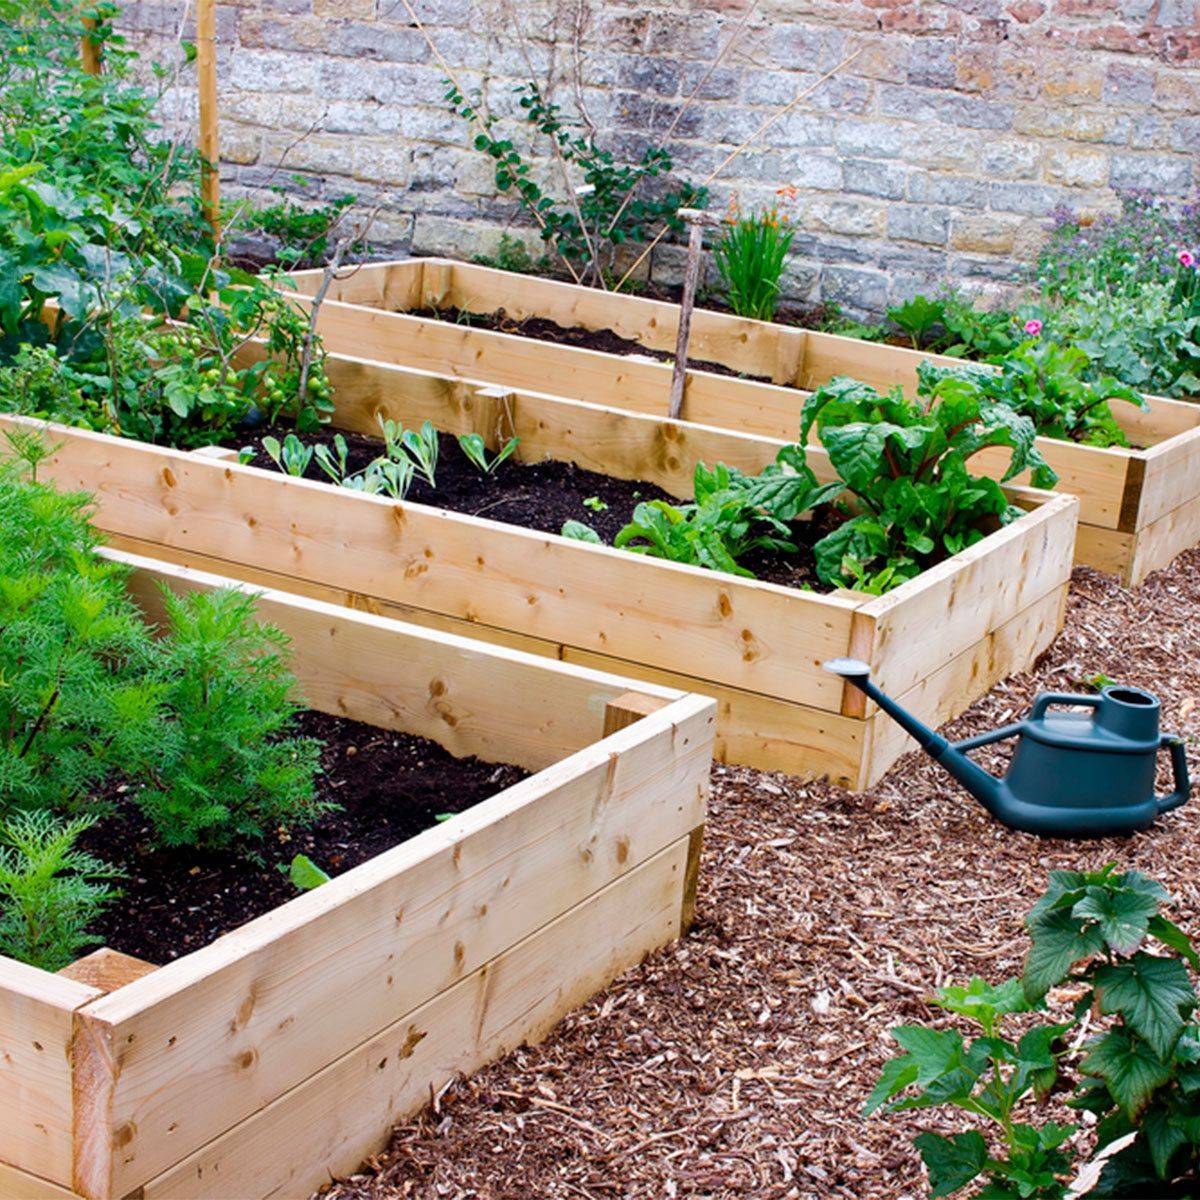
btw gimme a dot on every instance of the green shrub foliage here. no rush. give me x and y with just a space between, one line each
196 723
225 767
49 889
1117 978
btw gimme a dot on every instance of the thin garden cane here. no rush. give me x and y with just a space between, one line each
734 153
696 220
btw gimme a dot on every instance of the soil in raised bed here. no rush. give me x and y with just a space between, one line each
389 786
542 496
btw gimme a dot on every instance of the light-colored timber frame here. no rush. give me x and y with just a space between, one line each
1139 508
281 1053
937 642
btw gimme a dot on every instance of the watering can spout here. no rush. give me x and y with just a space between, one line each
984 787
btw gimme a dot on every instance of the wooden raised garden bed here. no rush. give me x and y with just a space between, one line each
282 1052
937 642
1138 508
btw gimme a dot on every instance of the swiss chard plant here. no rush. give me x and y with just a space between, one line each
1103 1015
906 467
1050 385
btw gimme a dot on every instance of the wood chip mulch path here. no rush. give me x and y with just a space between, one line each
736 1062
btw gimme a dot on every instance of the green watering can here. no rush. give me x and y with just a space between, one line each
1073 775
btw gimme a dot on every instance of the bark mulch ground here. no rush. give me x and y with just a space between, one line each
736 1062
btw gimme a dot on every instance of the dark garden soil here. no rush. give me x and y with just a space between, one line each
736 1062
543 496
390 787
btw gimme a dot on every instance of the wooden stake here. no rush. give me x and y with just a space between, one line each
697 220
89 50
627 709
210 143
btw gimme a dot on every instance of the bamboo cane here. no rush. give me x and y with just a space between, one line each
210 142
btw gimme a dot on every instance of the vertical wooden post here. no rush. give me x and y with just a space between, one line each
628 708
89 51
210 143
696 219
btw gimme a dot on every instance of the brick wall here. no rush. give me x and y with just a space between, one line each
935 157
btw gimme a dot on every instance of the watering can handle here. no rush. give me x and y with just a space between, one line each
1046 699
1183 787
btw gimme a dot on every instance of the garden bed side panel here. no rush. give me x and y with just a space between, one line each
330 1123
1108 482
36 1021
746 633
172 1061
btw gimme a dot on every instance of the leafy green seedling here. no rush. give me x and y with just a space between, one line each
293 457
581 532
304 873
595 504
475 448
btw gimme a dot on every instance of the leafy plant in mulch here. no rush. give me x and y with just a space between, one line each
1118 977
905 465
302 231
584 226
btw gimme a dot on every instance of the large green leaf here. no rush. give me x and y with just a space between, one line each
1059 941
1154 995
952 1162
1129 1067
1122 915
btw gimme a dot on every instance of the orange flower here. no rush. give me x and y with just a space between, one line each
788 191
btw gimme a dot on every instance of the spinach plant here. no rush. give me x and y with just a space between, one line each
418 447
725 522
292 457
1122 1041
905 467
50 889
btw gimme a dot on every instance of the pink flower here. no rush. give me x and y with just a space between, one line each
1187 258
1033 327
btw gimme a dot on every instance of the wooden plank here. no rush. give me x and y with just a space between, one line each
949 691
773 735
20 1185
36 1010
328 1124
1107 550
1172 477
765 733
499 704
177 1058
746 633
1158 544
278 581
629 708
923 624
107 969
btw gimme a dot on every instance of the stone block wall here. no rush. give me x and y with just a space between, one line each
934 158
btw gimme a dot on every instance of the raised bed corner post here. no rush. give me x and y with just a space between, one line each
210 143
697 221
